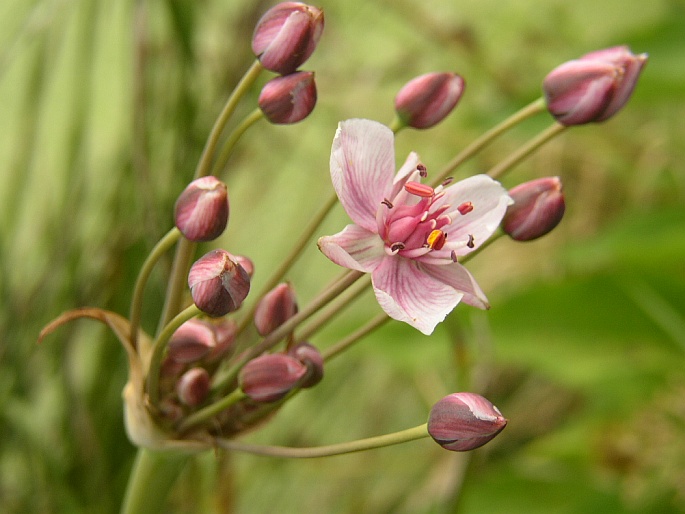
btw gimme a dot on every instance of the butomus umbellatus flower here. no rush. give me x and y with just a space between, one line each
408 235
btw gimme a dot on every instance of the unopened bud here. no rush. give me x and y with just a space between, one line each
270 377
275 308
217 284
201 211
191 341
594 87
428 99
193 386
464 421
538 207
288 99
287 35
226 330
245 262
310 356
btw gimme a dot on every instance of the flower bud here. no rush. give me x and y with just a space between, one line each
538 207
464 421
288 99
193 386
217 284
191 341
310 356
287 35
270 377
275 308
594 87
428 99
201 211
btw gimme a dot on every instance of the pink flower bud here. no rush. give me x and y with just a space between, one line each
288 99
464 421
201 211
538 207
270 377
594 87
287 35
428 99
217 284
193 386
191 341
275 308
310 356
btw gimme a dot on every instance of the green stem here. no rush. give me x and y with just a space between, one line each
524 151
292 256
397 124
210 411
160 346
185 249
355 336
137 302
151 479
370 443
233 139
531 109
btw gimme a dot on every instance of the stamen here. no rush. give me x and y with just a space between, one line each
418 189
470 242
422 170
447 181
453 256
465 208
436 240
396 247
387 203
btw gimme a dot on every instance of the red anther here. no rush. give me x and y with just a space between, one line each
465 208
418 189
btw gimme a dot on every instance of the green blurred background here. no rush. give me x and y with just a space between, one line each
104 110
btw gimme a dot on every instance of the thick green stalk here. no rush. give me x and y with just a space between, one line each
151 479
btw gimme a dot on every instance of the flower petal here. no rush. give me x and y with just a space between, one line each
458 277
490 201
354 248
405 173
406 293
362 168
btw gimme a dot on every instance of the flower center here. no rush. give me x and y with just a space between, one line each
415 222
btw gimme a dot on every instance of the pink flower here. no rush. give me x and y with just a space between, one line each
407 234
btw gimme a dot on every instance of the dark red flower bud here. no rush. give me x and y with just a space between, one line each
217 284
275 308
288 99
594 87
464 421
428 99
538 207
287 35
270 377
201 211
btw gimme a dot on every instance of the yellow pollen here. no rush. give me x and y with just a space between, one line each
436 239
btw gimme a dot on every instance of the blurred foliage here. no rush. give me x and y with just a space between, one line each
106 106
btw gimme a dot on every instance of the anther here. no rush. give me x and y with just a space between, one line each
396 247
465 208
418 189
436 240
387 203
453 256
447 181
422 170
470 242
